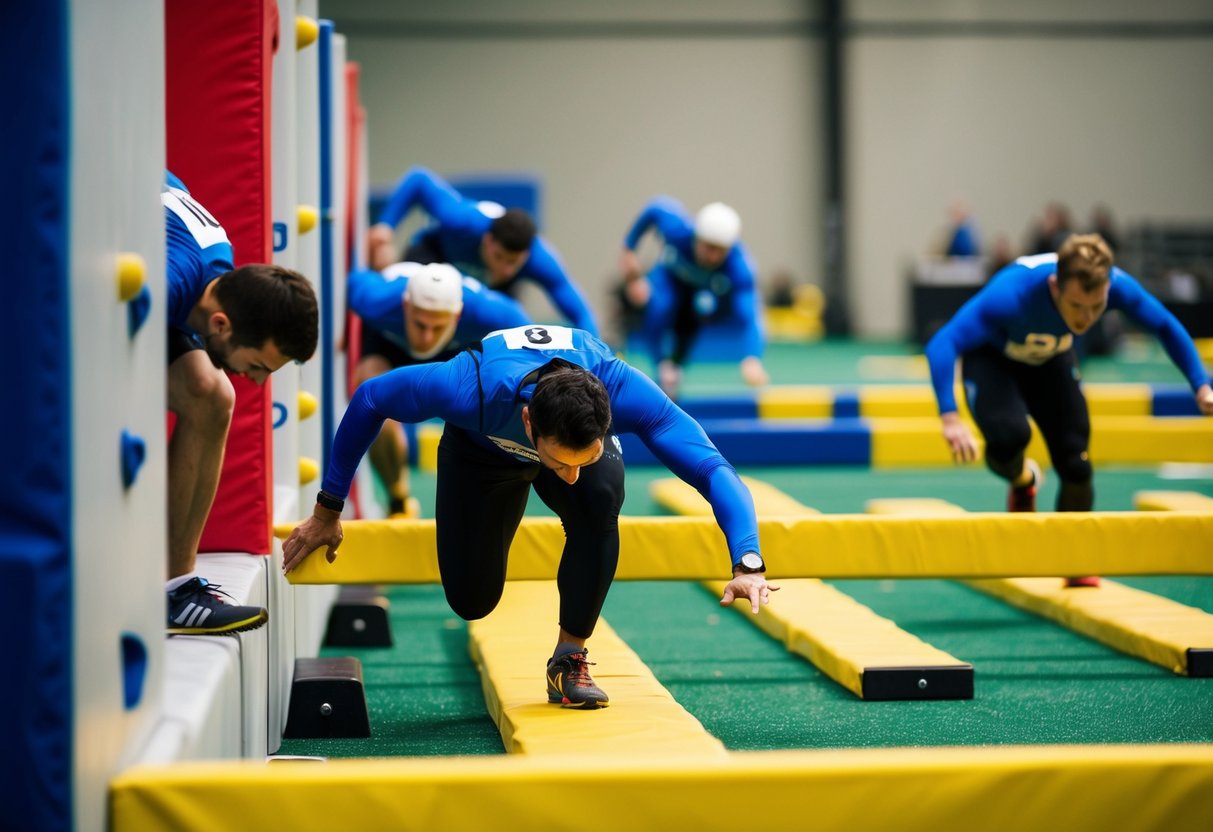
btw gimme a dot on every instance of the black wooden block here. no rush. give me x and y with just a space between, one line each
327 700
359 618
1200 662
883 684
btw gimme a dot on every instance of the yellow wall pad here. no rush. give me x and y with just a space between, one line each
900 442
1159 630
643 720
869 655
1009 789
1176 636
1172 501
976 545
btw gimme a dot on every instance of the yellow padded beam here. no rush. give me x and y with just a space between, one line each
1176 636
675 495
791 401
428 437
643 719
1159 630
1006 789
1172 501
869 655
825 546
926 506
898 442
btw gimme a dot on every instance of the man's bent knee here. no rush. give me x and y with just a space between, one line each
199 390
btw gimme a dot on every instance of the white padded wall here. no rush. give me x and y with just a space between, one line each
284 198
311 603
118 383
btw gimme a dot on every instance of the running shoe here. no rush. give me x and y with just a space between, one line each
1023 497
197 608
570 684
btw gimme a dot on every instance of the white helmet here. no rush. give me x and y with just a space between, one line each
718 224
436 287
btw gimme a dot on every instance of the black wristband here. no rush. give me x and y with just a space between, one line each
326 500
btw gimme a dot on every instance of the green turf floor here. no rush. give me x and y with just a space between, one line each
1035 682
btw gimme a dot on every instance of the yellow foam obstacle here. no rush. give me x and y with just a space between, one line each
643 717
1115 440
869 655
1172 501
1010 789
1159 630
975 545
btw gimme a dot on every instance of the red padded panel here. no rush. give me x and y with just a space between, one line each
218 78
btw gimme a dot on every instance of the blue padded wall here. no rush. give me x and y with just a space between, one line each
35 423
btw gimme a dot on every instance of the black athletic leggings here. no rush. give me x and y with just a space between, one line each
480 501
1002 394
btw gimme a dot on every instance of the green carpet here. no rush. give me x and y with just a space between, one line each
1035 682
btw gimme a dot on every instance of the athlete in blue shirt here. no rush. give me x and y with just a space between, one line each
704 273
249 321
1015 339
536 405
481 239
414 313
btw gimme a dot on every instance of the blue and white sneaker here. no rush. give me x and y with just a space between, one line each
196 608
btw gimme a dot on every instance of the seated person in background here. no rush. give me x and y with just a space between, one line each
415 313
481 239
1015 341
541 407
704 274
249 321
962 234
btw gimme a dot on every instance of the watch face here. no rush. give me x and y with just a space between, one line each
751 561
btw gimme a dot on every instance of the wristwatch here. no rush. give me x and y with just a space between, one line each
750 563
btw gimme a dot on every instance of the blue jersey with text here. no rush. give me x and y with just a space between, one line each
198 249
731 283
378 298
483 392
1015 313
459 224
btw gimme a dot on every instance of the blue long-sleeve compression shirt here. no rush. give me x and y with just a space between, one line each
378 298
732 282
197 246
458 225
1015 313
483 392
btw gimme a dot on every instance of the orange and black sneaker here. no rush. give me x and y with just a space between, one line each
570 684
1023 497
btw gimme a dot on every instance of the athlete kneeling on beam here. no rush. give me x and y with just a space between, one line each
542 406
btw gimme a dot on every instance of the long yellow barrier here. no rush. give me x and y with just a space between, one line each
1159 630
1012 789
868 655
1172 501
643 717
976 545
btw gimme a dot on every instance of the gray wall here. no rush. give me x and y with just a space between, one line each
1007 104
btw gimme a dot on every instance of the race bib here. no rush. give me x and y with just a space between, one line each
536 337
204 228
1038 347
